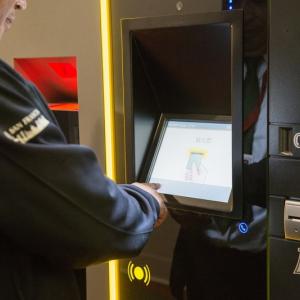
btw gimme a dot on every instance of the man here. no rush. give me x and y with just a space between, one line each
212 259
58 212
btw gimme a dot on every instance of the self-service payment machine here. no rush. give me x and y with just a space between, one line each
182 80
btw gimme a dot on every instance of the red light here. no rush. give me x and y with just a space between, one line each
55 77
64 70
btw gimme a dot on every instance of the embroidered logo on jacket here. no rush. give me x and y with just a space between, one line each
27 128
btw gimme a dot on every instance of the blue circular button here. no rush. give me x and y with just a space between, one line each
243 228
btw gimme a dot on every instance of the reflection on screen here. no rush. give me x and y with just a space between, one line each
195 160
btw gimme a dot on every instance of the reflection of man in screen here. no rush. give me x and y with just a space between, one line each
195 170
212 260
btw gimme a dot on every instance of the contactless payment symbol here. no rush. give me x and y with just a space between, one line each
243 228
139 273
296 140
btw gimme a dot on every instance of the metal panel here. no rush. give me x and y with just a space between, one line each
284 259
284 177
276 208
284 62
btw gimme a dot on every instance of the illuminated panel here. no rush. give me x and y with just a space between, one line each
64 70
55 77
109 123
64 106
230 4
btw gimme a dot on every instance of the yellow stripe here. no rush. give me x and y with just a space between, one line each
108 88
109 122
114 285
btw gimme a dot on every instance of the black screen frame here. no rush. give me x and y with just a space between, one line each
235 19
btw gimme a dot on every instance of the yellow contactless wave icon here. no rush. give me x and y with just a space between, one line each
139 273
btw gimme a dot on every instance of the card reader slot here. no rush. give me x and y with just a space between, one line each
293 218
285 141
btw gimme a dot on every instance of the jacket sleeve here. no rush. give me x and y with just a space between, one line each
55 201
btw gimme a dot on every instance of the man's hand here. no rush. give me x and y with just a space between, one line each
152 188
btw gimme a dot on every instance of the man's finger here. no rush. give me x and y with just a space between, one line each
155 186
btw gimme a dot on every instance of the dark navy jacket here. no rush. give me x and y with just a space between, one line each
58 211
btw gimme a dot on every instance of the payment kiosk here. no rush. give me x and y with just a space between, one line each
182 85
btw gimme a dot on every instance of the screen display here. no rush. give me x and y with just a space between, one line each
194 160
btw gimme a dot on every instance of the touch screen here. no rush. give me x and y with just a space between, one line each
194 160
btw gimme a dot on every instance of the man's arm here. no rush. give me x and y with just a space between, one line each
55 201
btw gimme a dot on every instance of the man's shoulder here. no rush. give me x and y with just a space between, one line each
13 86
9 75
4 66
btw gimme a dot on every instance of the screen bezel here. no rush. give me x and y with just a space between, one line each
177 200
235 19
